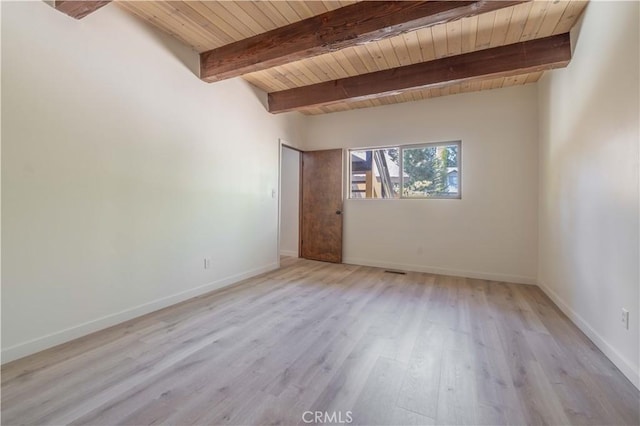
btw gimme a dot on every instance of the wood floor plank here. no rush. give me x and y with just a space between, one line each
376 403
540 403
457 394
497 397
413 349
409 418
399 345
421 385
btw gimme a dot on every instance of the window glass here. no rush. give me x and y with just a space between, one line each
375 173
431 171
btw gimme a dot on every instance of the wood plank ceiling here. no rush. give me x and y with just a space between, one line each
206 25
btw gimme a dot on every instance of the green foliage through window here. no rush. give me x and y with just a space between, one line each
416 171
430 171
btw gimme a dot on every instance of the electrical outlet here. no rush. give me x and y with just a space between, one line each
625 318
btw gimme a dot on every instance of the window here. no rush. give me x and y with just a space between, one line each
412 171
431 171
375 173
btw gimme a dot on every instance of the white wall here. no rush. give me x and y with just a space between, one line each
289 202
492 232
121 172
589 214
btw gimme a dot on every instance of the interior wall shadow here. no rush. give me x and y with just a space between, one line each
182 52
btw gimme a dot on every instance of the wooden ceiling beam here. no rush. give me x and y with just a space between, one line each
514 59
338 29
78 9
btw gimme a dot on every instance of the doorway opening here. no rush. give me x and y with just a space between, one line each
310 204
290 168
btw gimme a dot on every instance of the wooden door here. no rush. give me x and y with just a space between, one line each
321 205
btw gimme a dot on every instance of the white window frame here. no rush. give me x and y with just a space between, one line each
401 149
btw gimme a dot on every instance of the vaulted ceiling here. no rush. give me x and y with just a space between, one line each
370 54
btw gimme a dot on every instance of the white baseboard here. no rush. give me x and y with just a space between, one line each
444 271
289 253
630 371
38 344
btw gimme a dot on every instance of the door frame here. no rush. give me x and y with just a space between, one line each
282 143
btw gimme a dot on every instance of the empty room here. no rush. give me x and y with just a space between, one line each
320 212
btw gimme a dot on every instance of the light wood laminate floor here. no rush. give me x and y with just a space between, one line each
390 349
